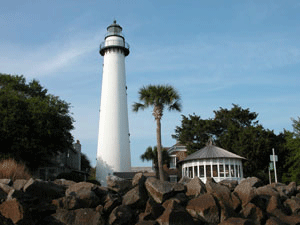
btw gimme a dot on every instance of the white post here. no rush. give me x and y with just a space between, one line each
274 165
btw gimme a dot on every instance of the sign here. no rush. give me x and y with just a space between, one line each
271 166
271 158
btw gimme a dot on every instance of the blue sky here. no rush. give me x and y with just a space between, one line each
214 53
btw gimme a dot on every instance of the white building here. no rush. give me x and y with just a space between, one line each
113 152
212 161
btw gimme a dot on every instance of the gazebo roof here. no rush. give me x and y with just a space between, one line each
211 152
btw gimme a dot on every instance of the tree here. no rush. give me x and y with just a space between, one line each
85 163
293 148
236 130
34 125
158 97
151 155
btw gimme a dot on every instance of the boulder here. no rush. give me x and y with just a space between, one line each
6 181
138 179
63 182
79 217
152 212
43 189
136 197
162 190
204 208
5 221
19 184
235 221
184 180
231 184
118 184
195 187
111 201
175 214
5 188
223 196
275 221
252 212
285 190
246 190
147 222
293 205
121 215
82 195
12 209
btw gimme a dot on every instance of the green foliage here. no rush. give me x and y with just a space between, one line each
151 155
158 97
85 163
34 125
235 130
293 147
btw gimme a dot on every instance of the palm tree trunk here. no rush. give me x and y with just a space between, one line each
159 150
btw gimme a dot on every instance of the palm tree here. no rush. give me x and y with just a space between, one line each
151 155
158 96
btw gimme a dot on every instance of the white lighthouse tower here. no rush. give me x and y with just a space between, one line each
113 153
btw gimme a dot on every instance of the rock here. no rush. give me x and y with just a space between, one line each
6 181
13 210
285 219
293 205
118 184
234 221
6 188
195 187
275 221
152 212
231 184
19 184
162 190
138 179
147 222
184 180
136 197
79 217
204 208
285 190
5 221
175 214
252 212
223 196
246 190
82 195
121 215
43 189
111 201
63 182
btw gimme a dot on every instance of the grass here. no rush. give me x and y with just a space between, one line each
13 170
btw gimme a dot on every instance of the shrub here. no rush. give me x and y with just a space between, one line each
13 170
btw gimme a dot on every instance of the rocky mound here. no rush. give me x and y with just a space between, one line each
148 201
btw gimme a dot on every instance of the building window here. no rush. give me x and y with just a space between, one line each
173 162
195 171
237 171
173 178
232 171
215 170
227 170
221 171
208 171
201 170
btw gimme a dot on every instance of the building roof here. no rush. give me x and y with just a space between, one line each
212 152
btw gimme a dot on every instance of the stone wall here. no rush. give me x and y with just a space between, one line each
146 201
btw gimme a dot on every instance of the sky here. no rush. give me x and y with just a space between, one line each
215 53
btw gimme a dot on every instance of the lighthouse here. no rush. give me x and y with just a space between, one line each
113 151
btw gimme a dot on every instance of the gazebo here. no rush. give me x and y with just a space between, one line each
212 161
